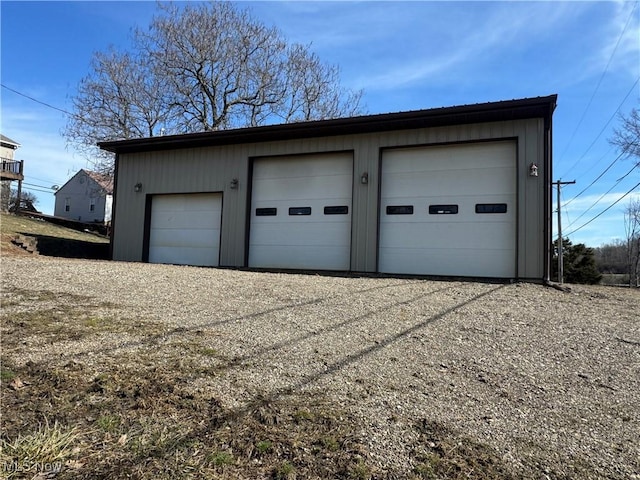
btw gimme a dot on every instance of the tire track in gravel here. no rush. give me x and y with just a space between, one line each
334 367
164 337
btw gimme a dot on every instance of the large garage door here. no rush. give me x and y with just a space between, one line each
301 212
449 210
185 229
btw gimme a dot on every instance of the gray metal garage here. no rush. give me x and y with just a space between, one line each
460 191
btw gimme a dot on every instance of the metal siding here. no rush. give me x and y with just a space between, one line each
212 168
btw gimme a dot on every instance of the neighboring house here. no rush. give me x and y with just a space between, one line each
86 197
462 191
10 170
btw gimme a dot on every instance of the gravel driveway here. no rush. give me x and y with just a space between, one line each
549 380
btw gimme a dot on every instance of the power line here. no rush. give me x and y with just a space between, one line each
34 185
599 81
45 181
592 183
36 100
603 195
606 209
605 125
32 189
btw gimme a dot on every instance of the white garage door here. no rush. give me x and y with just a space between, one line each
301 212
449 210
185 229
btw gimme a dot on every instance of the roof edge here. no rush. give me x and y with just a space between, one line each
517 109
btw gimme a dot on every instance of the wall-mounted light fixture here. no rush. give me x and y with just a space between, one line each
533 170
234 184
364 178
137 187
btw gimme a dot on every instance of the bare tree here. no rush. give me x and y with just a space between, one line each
627 136
121 98
203 67
28 200
632 231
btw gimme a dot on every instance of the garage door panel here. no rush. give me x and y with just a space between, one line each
445 235
319 258
185 229
314 241
199 257
462 243
468 263
303 166
201 220
311 234
303 188
202 238
449 158
317 207
443 183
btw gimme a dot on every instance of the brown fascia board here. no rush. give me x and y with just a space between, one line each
539 107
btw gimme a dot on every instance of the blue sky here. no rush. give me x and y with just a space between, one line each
405 55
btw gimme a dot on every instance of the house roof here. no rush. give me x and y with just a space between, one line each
6 141
104 181
538 107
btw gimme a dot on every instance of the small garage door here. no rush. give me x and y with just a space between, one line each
301 212
449 210
185 229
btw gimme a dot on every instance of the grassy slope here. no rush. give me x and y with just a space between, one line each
53 240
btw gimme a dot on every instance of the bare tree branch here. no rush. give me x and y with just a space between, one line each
202 67
627 136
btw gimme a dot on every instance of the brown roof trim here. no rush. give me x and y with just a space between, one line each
539 107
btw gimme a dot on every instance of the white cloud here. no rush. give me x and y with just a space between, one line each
463 41
621 47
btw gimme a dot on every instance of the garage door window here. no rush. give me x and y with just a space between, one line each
399 209
491 208
300 211
266 212
443 209
337 210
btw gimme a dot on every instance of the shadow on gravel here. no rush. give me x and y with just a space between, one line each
69 248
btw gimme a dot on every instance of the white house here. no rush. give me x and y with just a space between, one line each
86 197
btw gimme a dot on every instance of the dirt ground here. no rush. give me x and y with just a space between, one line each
117 370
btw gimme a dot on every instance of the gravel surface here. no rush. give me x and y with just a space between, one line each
549 380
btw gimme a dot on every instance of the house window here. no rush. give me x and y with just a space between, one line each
67 204
92 205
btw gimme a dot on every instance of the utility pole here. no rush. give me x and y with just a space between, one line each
559 184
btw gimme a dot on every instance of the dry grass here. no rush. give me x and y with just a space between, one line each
53 240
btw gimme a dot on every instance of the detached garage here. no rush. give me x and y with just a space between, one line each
460 191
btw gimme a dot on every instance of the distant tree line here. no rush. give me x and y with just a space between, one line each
622 257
